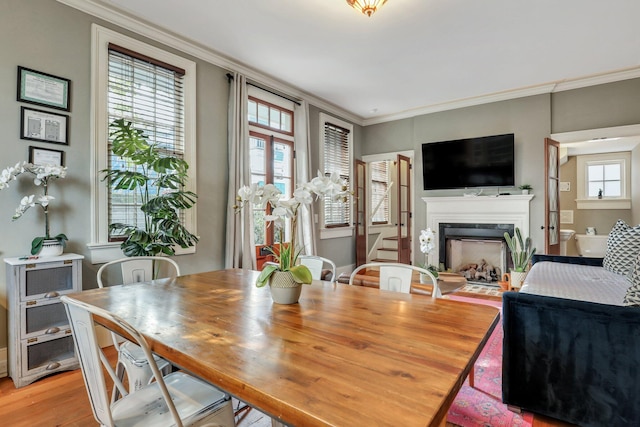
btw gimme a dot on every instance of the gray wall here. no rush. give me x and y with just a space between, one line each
340 250
531 119
528 118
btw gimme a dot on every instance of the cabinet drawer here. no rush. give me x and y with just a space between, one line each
44 354
47 280
43 318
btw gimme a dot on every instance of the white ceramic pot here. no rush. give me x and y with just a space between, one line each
50 248
517 278
284 290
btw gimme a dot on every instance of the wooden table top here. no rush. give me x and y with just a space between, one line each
344 356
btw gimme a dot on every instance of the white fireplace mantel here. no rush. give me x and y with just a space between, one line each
509 209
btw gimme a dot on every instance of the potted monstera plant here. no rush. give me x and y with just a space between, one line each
158 177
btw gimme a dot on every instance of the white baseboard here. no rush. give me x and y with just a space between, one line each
3 362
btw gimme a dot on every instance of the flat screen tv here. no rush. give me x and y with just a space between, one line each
469 163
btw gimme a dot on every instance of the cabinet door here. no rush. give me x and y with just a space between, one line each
50 354
47 279
43 318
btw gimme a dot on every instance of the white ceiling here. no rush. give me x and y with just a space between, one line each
412 54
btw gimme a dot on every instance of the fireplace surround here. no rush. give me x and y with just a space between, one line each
474 215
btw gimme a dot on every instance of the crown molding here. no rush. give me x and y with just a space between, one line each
462 103
115 16
551 87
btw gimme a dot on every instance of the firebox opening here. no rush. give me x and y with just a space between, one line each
477 251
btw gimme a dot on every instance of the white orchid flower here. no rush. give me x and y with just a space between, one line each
245 193
303 196
44 200
427 240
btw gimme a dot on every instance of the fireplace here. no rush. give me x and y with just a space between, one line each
475 225
477 251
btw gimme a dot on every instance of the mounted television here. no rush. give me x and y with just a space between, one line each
473 162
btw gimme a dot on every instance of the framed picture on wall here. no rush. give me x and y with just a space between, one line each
45 156
43 89
37 125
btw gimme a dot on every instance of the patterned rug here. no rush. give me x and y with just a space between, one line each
481 291
482 405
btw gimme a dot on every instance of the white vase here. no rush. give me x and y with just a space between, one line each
517 278
50 248
284 290
525 191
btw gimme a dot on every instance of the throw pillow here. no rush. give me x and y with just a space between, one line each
623 247
632 298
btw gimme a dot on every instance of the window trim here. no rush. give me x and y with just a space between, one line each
335 232
585 202
100 248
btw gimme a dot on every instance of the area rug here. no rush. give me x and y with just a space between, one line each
481 291
481 406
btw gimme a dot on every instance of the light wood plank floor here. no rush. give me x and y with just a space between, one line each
61 400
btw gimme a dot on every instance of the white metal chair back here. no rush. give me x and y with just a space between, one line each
187 400
141 269
315 264
131 360
397 277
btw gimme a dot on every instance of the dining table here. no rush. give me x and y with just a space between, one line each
342 356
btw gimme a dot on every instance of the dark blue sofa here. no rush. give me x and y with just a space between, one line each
572 360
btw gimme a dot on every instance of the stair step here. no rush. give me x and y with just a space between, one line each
387 254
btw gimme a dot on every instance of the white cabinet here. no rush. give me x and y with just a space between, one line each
40 339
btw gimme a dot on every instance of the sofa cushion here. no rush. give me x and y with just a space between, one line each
632 297
623 247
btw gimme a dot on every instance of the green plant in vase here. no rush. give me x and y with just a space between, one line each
521 250
158 177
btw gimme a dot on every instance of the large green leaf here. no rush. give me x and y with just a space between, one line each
301 274
266 272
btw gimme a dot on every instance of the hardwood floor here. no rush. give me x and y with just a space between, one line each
61 400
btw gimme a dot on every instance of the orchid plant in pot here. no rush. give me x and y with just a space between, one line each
427 244
42 176
284 212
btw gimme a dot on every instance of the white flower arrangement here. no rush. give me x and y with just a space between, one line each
42 175
427 244
283 209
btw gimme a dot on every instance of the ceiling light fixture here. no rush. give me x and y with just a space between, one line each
368 7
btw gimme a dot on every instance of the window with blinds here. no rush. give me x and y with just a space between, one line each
336 156
148 93
379 192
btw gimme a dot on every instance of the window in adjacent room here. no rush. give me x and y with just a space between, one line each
379 192
155 90
336 138
604 181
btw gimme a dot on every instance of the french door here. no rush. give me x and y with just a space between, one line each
271 162
552 196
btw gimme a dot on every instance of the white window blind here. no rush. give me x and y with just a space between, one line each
336 159
379 196
148 93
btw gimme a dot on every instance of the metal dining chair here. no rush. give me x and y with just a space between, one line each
315 264
397 277
131 360
177 399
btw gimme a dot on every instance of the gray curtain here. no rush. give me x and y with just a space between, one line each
306 230
240 251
